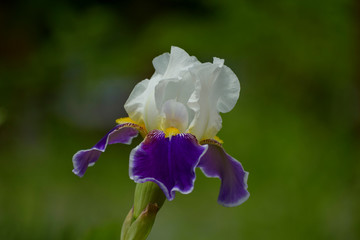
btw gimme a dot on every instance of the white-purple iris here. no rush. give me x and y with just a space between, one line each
177 113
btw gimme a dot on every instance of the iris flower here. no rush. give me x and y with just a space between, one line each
177 112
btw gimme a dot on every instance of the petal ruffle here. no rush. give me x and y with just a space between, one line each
217 163
217 90
169 162
173 64
141 105
123 133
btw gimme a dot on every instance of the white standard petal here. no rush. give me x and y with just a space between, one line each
141 105
179 61
161 63
228 87
217 90
178 90
135 104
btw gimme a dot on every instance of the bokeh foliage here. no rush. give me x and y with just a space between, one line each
67 67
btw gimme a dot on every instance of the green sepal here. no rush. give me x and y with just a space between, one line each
127 224
146 193
141 227
148 200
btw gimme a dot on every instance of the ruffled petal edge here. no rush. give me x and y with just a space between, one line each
217 163
122 133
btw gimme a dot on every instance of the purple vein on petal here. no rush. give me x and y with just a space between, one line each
169 162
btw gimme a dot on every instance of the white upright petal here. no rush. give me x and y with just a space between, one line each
135 104
142 105
217 90
179 90
228 86
179 62
161 63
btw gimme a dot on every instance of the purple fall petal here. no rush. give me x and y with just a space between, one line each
217 163
169 162
85 158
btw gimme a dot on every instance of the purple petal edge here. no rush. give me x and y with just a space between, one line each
217 163
169 162
86 158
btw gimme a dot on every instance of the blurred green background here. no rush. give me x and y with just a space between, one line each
67 67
